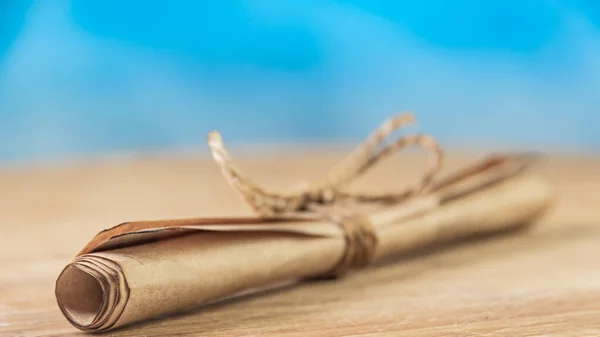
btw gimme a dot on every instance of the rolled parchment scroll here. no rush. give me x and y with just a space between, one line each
140 270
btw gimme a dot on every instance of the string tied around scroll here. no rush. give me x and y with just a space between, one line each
328 199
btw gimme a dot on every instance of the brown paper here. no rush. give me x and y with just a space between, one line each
140 270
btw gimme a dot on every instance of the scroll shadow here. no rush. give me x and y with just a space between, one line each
565 234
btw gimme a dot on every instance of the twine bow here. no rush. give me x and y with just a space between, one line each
324 199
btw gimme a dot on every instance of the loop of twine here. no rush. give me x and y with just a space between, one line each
318 200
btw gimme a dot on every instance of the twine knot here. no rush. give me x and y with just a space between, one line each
327 199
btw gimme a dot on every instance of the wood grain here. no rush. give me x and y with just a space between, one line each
541 282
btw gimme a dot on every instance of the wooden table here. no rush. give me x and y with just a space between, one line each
543 282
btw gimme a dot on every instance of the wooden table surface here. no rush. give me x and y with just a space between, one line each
541 282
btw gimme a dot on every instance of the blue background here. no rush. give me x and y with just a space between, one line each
88 77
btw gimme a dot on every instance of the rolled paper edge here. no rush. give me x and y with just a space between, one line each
91 293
